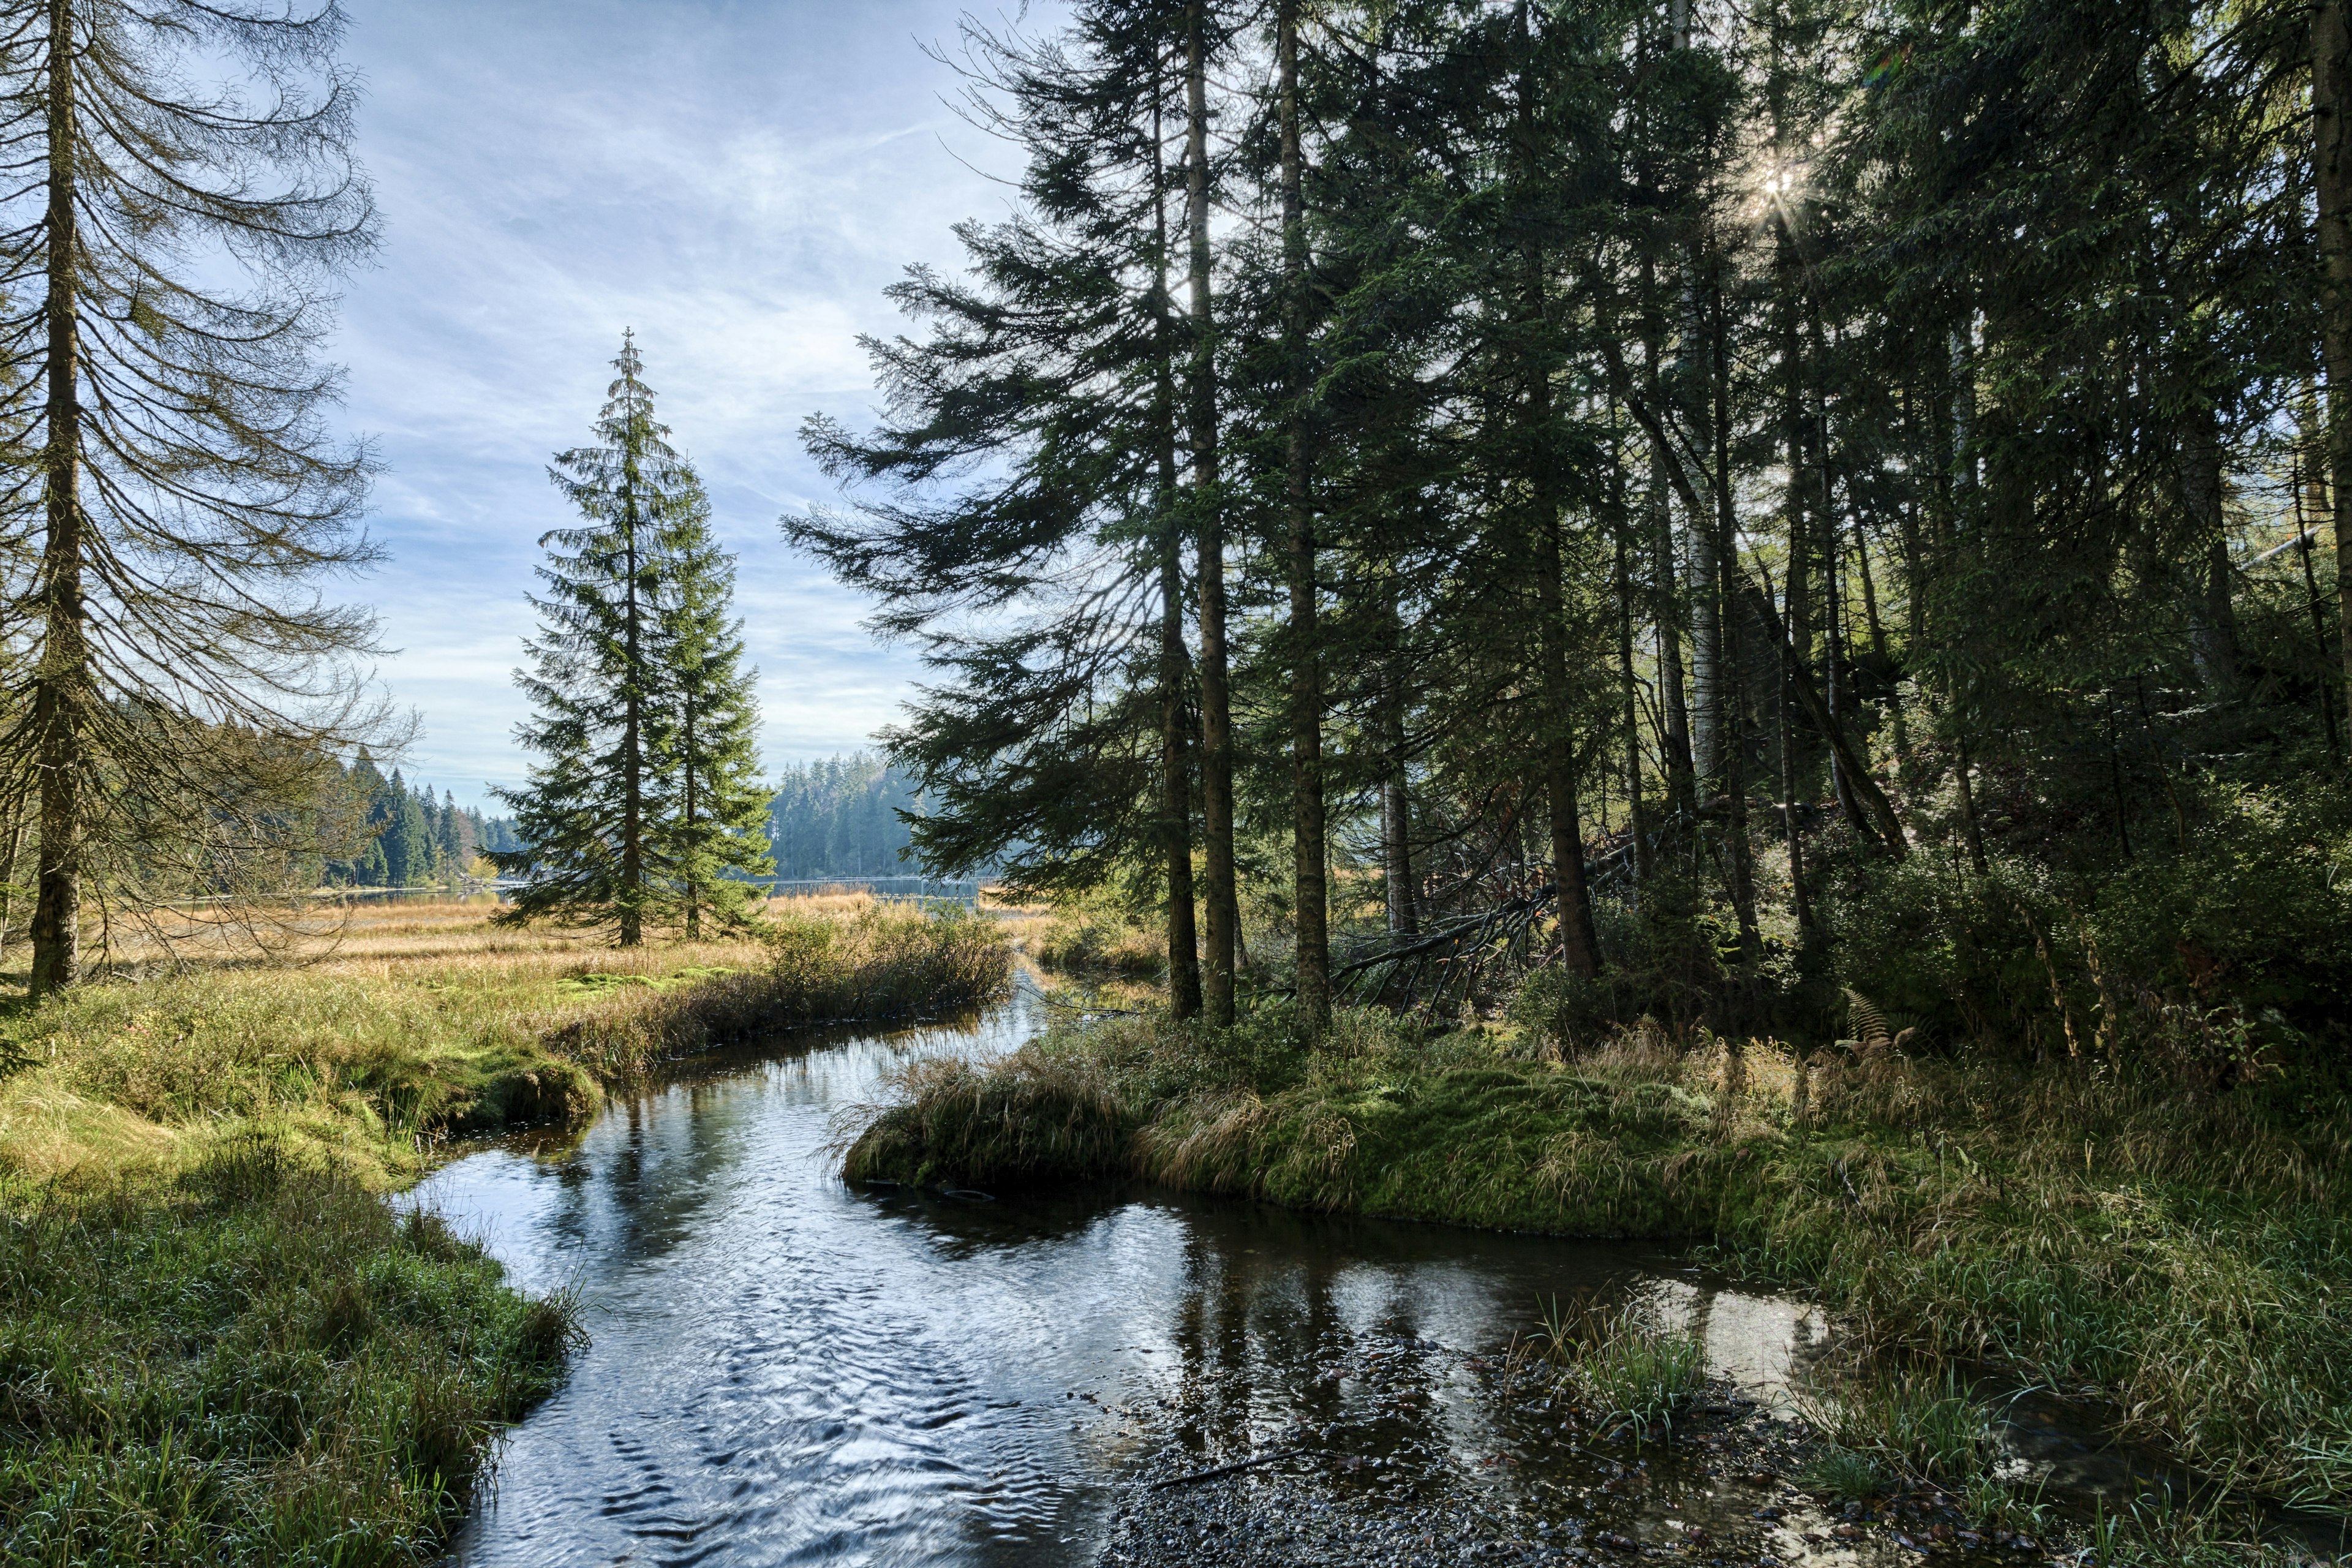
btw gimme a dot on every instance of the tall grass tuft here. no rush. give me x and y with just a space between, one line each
1928 1426
1027 1119
1624 1368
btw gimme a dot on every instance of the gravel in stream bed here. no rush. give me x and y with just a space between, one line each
1384 1481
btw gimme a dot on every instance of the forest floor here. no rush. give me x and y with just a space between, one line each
2177 1258
218 1343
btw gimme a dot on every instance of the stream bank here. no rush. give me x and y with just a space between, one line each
2183 1260
216 1344
785 1369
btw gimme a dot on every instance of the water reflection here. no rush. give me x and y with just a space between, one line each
786 1371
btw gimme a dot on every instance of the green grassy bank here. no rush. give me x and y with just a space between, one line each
217 1342
2185 1256
249 1360
422 1023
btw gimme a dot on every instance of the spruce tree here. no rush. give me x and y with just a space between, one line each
594 855
713 807
1020 508
170 242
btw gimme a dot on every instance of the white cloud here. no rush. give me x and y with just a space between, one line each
735 182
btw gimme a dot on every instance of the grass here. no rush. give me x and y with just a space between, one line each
1081 940
217 1344
1624 1370
251 1361
2184 1259
1921 1425
426 1020
1846 1475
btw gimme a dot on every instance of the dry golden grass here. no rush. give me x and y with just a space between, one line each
408 1020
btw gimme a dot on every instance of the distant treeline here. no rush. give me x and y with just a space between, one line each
839 817
409 840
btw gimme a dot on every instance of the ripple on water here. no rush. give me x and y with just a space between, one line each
785 1371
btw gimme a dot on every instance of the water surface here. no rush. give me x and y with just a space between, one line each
788 1371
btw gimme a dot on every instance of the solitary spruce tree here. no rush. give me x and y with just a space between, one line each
182 197
713 814
592 855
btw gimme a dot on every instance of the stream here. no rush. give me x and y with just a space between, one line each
784 1370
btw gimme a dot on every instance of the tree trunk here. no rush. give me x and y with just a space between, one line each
1580 942
1396 834
693 864
2332 177
1175 770
1314 943
1706 606
61 689
1971 831
1217 711
2311 510
1964 419
2303 532
1732 738
1798 907
2213 623
1629 693
1837 672
1796 599
1682 792
632 779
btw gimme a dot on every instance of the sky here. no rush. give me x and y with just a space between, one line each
736 180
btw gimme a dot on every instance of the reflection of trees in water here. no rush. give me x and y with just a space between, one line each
641 1184
1264 1341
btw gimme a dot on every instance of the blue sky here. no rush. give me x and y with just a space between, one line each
737 181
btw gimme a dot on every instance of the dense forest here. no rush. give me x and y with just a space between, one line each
408 839
838 816
1770 515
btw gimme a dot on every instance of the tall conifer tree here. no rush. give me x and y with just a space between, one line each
597 678
171 240
713 807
